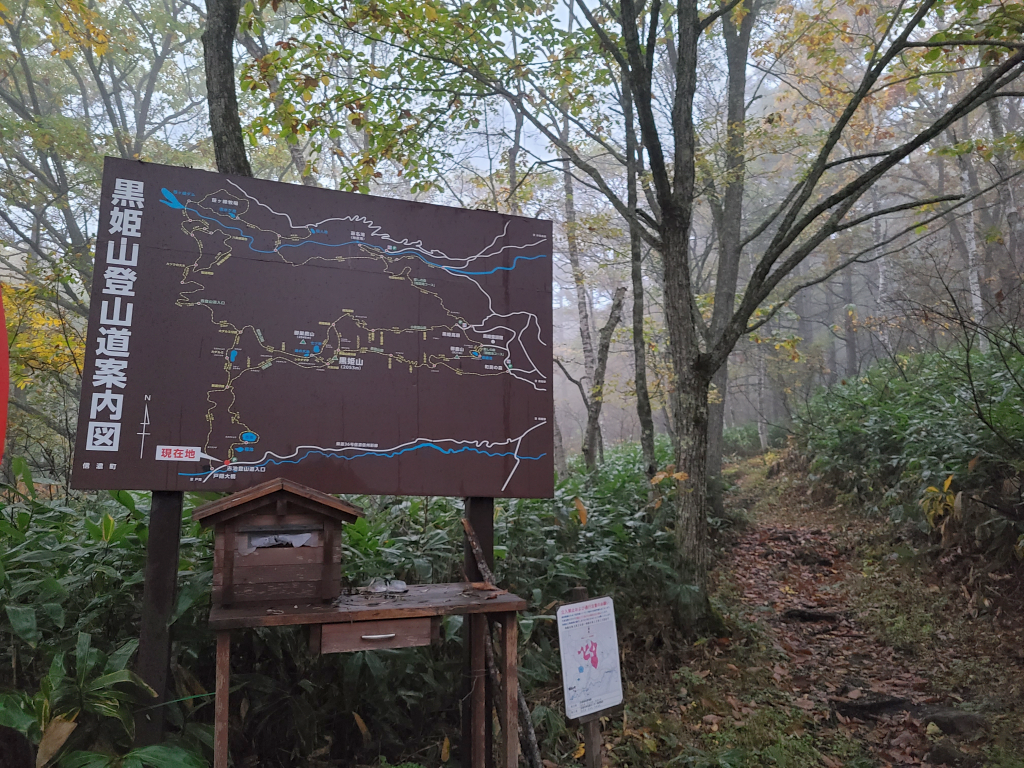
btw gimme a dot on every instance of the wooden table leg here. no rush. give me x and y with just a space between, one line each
220 717
475 719
510 691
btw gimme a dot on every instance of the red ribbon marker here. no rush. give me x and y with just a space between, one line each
5 380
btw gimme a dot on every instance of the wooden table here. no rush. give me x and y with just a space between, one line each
377 621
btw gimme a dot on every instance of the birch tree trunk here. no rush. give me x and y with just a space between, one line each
1010 271
966 239
970 236
880 262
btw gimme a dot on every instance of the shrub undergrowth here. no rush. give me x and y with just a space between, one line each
71 575
912 433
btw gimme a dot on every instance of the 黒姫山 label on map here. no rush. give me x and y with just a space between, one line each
591 677
243 329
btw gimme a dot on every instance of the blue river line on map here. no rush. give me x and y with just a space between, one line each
173 202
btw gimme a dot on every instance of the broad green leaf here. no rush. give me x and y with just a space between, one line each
23 622
38 556
107 526
86 760
55 613
20 469
94 530
83 657
56 672
163 756
192 591
13 714
115 678
119 659
125 499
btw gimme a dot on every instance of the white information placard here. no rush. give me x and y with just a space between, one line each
591 676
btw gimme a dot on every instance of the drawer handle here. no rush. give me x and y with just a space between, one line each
379 637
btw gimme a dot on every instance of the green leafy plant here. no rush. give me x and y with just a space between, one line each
157 756
71 582
938 505
892 437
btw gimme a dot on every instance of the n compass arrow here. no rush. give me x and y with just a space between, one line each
143 433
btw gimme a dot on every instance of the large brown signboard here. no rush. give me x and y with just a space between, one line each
243 329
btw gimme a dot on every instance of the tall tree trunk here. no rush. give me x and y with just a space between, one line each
643 397
969 239
690 411
517 137
219 57
258 49
880 262
805 328
1010 270
762 401
644 413
692 379
729 221
673 182
973 260
561 466
831 358
691 530
591 438
513 158
850 325
582 299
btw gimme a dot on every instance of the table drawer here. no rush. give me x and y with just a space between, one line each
373 635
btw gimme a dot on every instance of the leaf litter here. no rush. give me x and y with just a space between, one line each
818 670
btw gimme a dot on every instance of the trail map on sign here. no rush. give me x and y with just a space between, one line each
243 329
591 677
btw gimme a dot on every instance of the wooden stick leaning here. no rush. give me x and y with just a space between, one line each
529 736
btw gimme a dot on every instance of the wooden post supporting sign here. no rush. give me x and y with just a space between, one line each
512 705
158 596
592 741
477 703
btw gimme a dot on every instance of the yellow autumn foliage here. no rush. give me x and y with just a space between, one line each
78 25
42 341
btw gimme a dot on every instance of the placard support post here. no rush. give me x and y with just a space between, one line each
477 735
158 596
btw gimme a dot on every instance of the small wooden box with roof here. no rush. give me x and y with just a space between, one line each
277 543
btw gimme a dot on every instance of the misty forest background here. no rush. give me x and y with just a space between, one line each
787 281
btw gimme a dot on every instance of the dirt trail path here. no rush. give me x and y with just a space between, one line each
799 573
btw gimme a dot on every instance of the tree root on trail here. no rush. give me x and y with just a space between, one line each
871 708
804 614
